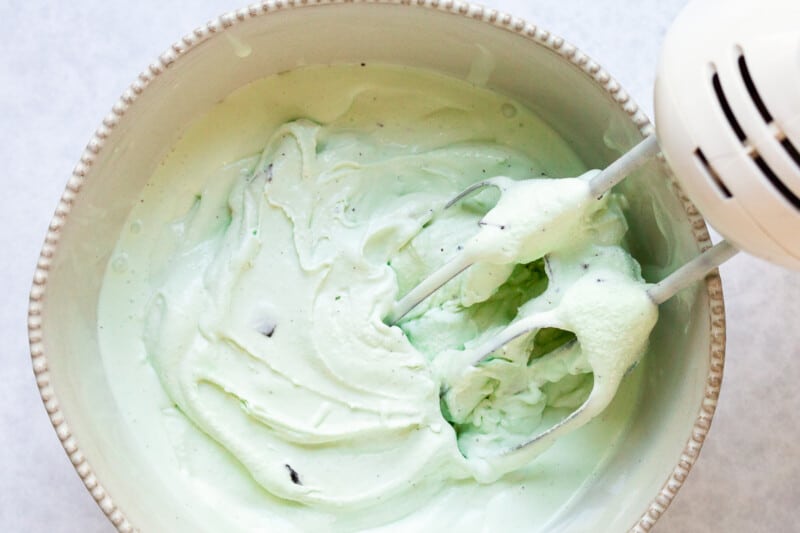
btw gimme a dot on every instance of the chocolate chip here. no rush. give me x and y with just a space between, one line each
267 329
293 475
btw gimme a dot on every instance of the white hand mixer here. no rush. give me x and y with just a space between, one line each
727 106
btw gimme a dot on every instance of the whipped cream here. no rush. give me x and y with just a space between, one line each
245 336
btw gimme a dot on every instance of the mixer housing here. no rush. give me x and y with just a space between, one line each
727 106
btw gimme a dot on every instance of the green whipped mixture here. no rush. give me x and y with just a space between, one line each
243 313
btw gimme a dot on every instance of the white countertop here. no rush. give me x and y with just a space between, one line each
62 65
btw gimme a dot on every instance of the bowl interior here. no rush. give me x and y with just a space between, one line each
560 91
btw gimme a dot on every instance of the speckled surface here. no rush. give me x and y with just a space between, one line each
63 64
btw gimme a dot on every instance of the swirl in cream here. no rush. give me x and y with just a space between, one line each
263 302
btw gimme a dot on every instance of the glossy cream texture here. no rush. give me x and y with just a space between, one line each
242 313
594 290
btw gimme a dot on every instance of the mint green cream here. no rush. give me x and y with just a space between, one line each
242 317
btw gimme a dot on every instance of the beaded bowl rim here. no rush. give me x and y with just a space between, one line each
220 24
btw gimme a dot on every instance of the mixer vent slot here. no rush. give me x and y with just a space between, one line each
765 114
789 147
712 174
742 136
775 180
726 108
751 89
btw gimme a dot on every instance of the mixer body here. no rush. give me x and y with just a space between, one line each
727 105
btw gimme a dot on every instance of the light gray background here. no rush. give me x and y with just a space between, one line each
62 65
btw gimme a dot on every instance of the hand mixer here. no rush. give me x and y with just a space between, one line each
727 106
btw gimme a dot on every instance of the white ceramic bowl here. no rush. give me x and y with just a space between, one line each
682 372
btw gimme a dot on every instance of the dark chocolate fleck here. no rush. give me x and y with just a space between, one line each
295 477
269 172
267 329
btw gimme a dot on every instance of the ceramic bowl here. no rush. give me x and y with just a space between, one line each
681 374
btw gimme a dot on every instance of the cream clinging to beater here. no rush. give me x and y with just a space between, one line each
730 146
727 102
